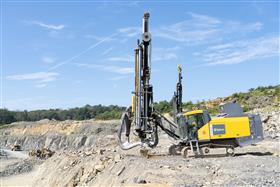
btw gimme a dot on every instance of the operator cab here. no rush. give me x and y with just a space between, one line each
195 120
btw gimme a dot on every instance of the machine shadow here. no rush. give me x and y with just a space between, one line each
155 156
235 155
161 156
255 154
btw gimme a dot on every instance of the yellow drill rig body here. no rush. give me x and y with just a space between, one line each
230 129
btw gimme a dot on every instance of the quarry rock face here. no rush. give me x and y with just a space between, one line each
85 134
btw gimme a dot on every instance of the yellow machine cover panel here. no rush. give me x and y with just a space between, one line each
204 132
232 127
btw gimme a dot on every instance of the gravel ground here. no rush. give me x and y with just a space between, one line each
109 166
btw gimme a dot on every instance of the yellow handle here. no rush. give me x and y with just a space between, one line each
133 103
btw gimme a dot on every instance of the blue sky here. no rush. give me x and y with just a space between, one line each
62 55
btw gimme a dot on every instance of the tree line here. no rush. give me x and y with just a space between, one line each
78 113
115 112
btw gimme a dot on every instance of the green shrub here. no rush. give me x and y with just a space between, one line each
163 106
6 116
109 115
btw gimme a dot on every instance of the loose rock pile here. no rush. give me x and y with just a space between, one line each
17 168
271 123
3 153
41 153
79 167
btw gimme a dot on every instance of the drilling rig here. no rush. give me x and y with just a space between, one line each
195 130
141 114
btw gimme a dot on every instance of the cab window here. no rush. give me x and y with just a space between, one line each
195 120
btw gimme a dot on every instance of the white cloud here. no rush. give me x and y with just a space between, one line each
47 26
98 38
82 52
130 31
117 78
87 65
119 70
41 85
48 60
164 54
108 68
167 49
202 29
204 19
241 51
39 76
125 58
159 54
106 51
240 28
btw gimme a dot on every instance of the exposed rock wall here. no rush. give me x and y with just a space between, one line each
52 135
271 122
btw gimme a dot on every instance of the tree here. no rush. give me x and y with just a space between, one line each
6 116
163 106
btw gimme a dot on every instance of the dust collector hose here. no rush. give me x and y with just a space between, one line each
124 130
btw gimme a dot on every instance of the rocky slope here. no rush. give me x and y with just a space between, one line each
271 122
56 135
258 98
